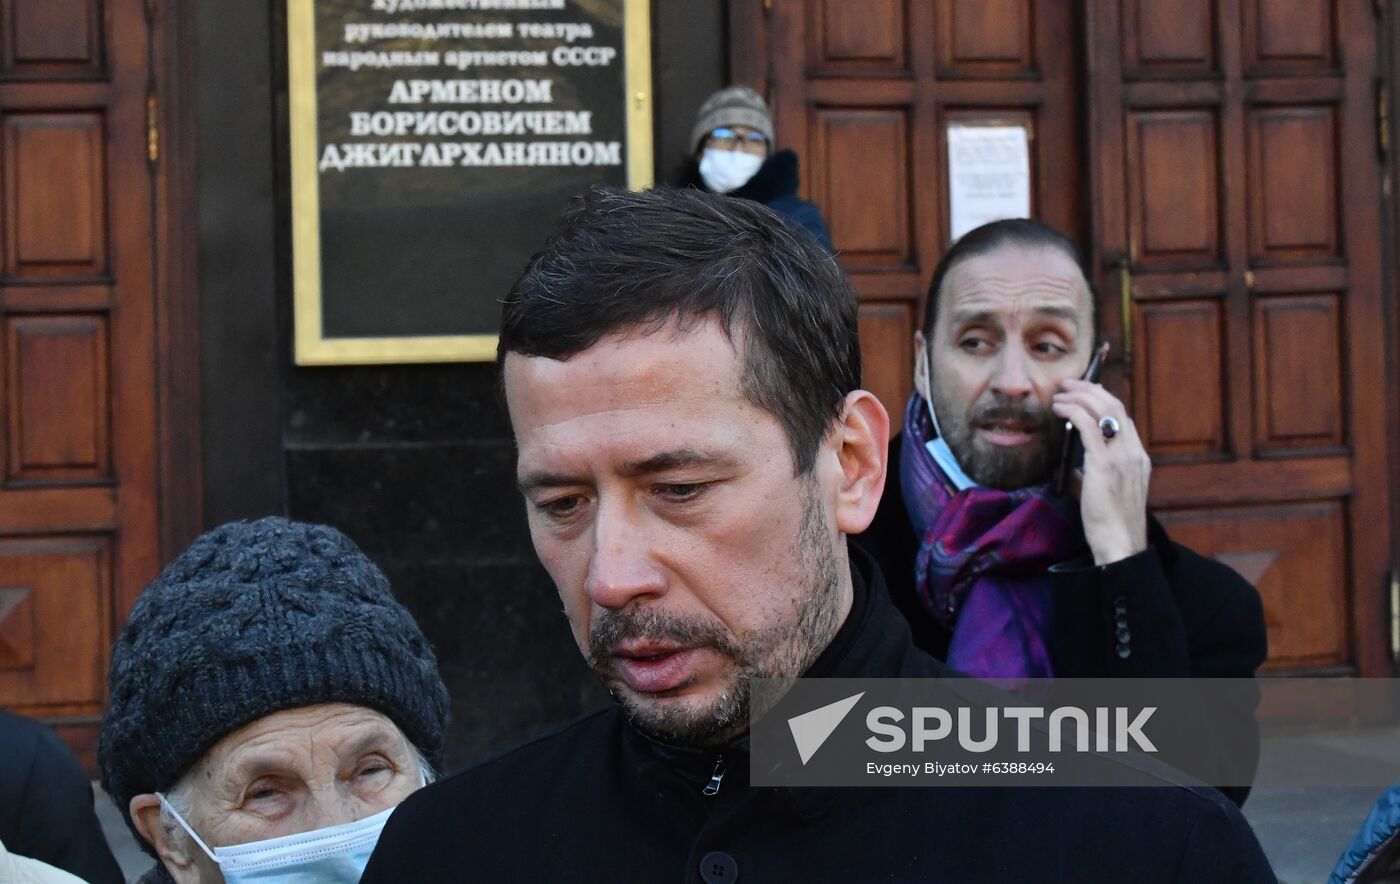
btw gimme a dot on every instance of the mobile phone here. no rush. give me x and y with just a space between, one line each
1072 452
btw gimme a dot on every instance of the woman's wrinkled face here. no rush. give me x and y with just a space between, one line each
298 770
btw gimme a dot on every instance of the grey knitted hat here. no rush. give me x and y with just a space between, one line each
735 106
254 618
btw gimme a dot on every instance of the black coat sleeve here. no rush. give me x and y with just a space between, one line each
54 821
1163 613
1170 613
1119 620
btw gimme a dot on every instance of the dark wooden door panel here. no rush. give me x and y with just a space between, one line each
1293 184
1298 374
1287 551
885 329
1173 182
1182 365
78 511
1167 40
865 93
989 39
58 401
857 36
54 608
1251 329
56 195
51 38
869 211
1289 36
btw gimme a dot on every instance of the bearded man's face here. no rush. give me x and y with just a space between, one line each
1011 325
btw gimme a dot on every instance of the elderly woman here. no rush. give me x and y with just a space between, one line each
270 704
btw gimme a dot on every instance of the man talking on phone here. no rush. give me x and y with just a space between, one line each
1001 573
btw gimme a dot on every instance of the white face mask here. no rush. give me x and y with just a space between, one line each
334 855
937 448
727 170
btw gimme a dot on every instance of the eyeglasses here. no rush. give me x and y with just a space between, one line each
728 139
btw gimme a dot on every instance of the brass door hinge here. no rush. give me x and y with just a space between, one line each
1395 616
1383 119
152 130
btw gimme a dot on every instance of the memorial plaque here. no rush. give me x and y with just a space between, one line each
433 144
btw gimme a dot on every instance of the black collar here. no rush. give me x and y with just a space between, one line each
874 642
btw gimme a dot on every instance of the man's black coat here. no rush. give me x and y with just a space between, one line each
46 808
600 802
1186 616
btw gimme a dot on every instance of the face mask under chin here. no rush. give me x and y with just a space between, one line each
986 464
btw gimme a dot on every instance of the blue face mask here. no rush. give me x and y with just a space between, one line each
936 447
334 855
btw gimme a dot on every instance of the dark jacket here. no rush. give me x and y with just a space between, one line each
46 810
775 186
600 802
1185 615
1374 855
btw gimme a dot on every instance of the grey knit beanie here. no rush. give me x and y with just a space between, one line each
735 106
254 618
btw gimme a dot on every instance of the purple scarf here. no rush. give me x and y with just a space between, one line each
983 557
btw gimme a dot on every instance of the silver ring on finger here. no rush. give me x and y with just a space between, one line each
1109 426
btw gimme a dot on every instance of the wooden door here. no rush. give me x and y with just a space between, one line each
864 92
1235 209
78 433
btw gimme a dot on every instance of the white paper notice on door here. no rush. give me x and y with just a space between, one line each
989 175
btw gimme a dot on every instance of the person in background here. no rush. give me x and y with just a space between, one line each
271 702
46 811
999 573
733 143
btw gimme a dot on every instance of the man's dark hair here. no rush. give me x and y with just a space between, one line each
1024 232
620 260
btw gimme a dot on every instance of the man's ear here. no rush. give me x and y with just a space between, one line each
145 814
920 354
863 438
